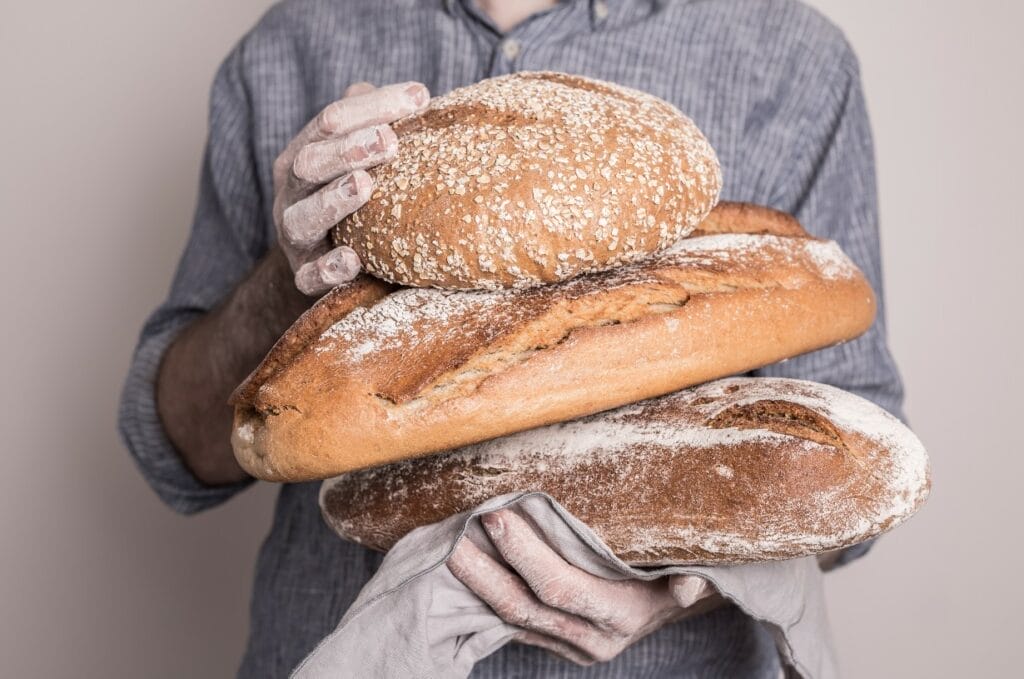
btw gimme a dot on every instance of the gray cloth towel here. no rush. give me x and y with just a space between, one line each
414 619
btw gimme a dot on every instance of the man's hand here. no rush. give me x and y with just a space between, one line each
574 614
320 178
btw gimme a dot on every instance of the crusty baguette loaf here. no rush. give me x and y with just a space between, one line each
532 178
737 470
422 370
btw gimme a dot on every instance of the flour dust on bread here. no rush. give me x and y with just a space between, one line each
733 471
532 178
372 375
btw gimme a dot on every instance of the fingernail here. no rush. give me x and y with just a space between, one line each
332 264
689 591
357 184
306 279
378 145
339 265
348 188
364 183
417 93
494 523
371 140
349 260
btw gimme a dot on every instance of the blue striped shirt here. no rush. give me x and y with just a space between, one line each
773 85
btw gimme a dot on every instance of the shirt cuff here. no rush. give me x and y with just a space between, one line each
143 432
854 552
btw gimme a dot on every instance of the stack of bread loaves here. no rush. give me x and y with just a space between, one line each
547 247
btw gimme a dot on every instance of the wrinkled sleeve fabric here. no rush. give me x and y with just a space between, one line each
227 237
832 190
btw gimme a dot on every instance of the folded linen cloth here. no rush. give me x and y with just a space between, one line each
414 619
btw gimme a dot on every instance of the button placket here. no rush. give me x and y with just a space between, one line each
506 53
511 47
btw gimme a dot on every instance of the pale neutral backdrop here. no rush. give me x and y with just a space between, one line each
102 121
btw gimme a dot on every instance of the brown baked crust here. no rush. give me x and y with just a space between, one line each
733 471
426 370
532 178
730 217
363 291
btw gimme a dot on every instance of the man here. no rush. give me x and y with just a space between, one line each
772 84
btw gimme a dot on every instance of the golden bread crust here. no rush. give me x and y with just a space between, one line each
733 471
425 370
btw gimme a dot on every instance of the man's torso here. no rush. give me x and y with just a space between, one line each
737 68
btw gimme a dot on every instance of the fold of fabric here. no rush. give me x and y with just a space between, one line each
414 619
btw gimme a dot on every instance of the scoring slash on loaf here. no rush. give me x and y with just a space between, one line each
532 178
734 471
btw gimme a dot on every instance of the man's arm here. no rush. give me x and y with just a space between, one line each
318 180
212 356
226 305
228 237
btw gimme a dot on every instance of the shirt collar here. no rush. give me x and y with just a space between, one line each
599 10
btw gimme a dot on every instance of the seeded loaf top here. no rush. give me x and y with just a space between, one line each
532 178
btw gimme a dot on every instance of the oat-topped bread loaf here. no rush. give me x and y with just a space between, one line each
738 470
532 178
372 374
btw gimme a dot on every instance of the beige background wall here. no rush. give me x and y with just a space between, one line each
102 120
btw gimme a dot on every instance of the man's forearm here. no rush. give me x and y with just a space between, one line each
209 359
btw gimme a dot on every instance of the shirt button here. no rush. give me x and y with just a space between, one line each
511 48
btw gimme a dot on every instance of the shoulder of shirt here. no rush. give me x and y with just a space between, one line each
286 27
787 28
297 18
288 30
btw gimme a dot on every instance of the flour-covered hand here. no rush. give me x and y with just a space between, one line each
320 178
562 608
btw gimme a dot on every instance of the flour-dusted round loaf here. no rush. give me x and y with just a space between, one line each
733 471
532 178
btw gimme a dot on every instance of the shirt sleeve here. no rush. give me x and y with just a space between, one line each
227 237
832 190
